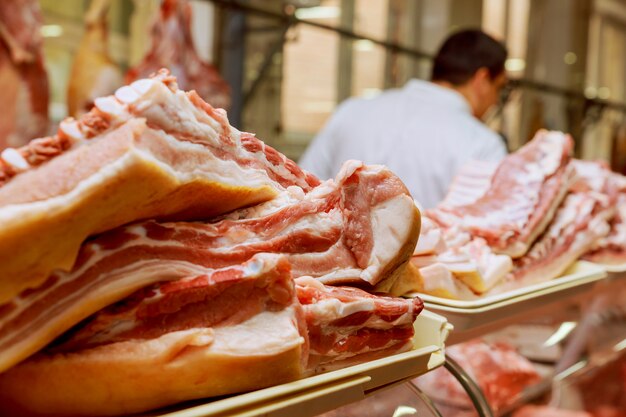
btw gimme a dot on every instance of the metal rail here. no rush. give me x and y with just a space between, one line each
474 392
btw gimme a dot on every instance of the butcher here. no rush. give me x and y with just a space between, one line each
425 131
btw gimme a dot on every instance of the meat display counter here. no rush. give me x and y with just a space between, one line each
552 350
331 390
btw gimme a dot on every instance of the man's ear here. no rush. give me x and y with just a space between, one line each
481 76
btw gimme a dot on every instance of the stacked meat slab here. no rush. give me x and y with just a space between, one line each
523 221
151 253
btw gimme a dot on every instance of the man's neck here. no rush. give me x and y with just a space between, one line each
461 89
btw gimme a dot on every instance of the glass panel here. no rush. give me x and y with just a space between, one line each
368 63
310 76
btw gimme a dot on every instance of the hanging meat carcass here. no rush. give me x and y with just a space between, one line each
94 74
173 48
23 78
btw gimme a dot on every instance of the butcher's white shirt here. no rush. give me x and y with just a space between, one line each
423 132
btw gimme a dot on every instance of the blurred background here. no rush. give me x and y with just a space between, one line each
290 63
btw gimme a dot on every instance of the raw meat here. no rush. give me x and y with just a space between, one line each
524 193
580 222
93 74
611 250
497 368
151 150
23 78
347 325
469 184
172 48
453 264
231 330
359 229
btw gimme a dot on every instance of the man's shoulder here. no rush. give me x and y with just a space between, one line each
365 103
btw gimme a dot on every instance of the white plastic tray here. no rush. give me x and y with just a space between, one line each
320 393
484 315
614 269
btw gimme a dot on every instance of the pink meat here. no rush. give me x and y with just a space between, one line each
172 48
23 78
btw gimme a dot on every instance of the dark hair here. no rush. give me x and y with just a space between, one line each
464 53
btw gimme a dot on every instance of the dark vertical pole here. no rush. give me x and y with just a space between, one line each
233 61
344 64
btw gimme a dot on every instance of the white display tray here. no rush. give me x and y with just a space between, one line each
477 317
320 393
614 269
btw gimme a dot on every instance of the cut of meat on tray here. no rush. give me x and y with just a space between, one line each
453 264
173 48
580 222
347 325
151 150
498 369
611 249
23 79
230 330
469 184
358 230
524 193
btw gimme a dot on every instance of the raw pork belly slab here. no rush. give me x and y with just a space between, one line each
231 330
347 325
523 195
580 222
360 230
612 248
469 184
151 150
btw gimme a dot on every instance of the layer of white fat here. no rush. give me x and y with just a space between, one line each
327 310
291 195
109 288
267 333
346 354
437 279
173 111
212 169
151 98
14 159
392 222
348 168
431 238
122 280
71 129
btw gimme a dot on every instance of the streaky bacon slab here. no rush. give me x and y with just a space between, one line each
230 330
149 151
611 249
347 325
524 192
321 233
222 297
469 184
580 222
